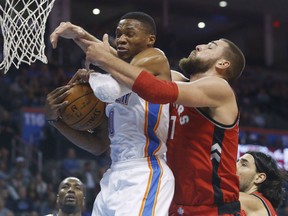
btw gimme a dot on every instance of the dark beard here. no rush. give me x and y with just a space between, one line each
191 66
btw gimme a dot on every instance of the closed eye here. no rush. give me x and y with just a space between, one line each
212 44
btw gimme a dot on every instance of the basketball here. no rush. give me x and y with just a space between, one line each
84 110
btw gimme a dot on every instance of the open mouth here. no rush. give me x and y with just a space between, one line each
70 198
121 49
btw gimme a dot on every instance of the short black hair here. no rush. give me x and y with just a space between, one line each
143 18
236 58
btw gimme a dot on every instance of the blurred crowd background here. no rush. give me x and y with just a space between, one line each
34 157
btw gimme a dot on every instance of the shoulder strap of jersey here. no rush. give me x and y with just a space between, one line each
264 201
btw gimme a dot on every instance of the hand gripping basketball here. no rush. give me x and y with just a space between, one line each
84 110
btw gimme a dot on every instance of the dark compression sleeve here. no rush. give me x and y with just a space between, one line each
155 90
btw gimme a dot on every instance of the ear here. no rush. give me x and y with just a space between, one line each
260 178
151 40
222 64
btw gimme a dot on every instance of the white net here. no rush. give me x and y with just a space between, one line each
23 25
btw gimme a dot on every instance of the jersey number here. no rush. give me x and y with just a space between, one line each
182 120
173 121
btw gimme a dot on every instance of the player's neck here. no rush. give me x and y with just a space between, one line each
197 76
251 190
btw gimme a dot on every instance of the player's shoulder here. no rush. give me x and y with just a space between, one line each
250 203
213 81
151 52
150 57
154 61
157 51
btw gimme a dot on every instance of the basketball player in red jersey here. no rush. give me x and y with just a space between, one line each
261 184
203 141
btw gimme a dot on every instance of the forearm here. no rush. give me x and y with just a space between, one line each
146 85
95 143
106 88
88 37
120 70
155 90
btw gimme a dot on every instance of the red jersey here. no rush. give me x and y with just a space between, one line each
270 209
202 155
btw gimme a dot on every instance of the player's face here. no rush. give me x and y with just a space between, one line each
71 196
132 38
246 170
203 58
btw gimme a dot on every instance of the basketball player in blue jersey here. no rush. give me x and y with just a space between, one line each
70 197
139 182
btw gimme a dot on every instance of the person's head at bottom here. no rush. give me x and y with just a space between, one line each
259 172
71 197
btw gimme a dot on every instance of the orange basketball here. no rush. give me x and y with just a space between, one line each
84 110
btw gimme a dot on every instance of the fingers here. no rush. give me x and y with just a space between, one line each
85 42
54 40
80 76
55 34
55 101
58 94
66 30
80 32
106 42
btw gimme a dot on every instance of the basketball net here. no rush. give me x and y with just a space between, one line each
23 25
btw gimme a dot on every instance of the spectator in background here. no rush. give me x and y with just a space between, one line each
17 181
91 181
41 186
70 165
258 119
8 192
21 168
4 153
4 173
24 204
48 205
8 129
3 210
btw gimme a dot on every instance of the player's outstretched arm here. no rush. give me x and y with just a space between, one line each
70 31
153 60
203 93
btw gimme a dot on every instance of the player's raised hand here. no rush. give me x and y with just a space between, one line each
94 50
66 30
